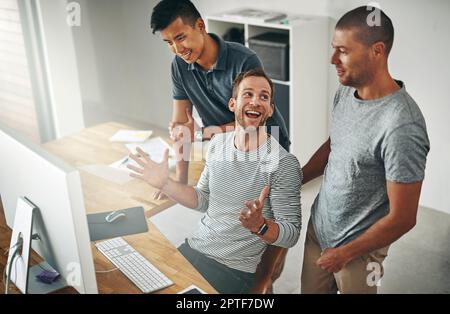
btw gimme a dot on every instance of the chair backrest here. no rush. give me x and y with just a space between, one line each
269 269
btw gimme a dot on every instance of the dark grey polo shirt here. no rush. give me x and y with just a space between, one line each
210 91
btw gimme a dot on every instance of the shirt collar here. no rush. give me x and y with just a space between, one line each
221 57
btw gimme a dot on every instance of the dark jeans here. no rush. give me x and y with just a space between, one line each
224 279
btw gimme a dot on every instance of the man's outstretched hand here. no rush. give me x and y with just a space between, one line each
159 196
155 174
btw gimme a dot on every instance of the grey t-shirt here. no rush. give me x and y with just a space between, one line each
210 91
371 142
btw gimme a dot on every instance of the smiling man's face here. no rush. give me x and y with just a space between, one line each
184 40
352 59
252 106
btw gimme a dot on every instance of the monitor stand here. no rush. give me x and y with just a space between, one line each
18 269
38 287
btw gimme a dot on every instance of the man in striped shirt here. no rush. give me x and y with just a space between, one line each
244 164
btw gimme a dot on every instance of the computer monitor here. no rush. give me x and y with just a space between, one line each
27 170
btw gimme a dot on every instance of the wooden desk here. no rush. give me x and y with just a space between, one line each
92 146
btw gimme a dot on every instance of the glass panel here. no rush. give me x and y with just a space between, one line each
17 108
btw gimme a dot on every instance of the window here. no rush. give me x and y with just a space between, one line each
17 107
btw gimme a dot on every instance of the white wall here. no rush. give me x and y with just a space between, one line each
101 51
87 44
124 68
62 68
149 61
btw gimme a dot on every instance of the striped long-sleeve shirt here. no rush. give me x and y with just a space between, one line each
231 177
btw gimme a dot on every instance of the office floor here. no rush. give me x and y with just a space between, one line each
419 262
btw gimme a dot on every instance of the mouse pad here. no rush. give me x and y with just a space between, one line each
133 222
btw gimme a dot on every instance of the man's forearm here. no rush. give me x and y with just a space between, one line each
272 232
382 233
183 154
181 193
182 171
316 165
209 131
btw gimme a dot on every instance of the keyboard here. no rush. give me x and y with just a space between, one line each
133 265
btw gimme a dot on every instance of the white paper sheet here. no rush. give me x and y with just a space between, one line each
122 164
131 136
154 148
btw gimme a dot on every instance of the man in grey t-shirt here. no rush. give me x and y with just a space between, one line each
373 163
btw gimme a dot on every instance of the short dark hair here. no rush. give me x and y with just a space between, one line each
167 11
369 34
258 72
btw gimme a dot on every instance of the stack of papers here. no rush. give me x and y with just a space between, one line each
131 136
118 171
154 148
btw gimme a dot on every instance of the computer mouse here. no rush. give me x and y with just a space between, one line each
115 216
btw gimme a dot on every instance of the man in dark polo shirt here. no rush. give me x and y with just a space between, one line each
203 71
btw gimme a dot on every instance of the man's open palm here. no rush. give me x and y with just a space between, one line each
155 174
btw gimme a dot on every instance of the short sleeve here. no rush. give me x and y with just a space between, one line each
252 62
337 96
178 91
404 153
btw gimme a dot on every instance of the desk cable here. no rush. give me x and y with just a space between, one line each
104 271
18 247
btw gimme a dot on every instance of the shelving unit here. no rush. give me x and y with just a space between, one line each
302 99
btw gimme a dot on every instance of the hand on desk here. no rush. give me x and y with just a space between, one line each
155 174
159 196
